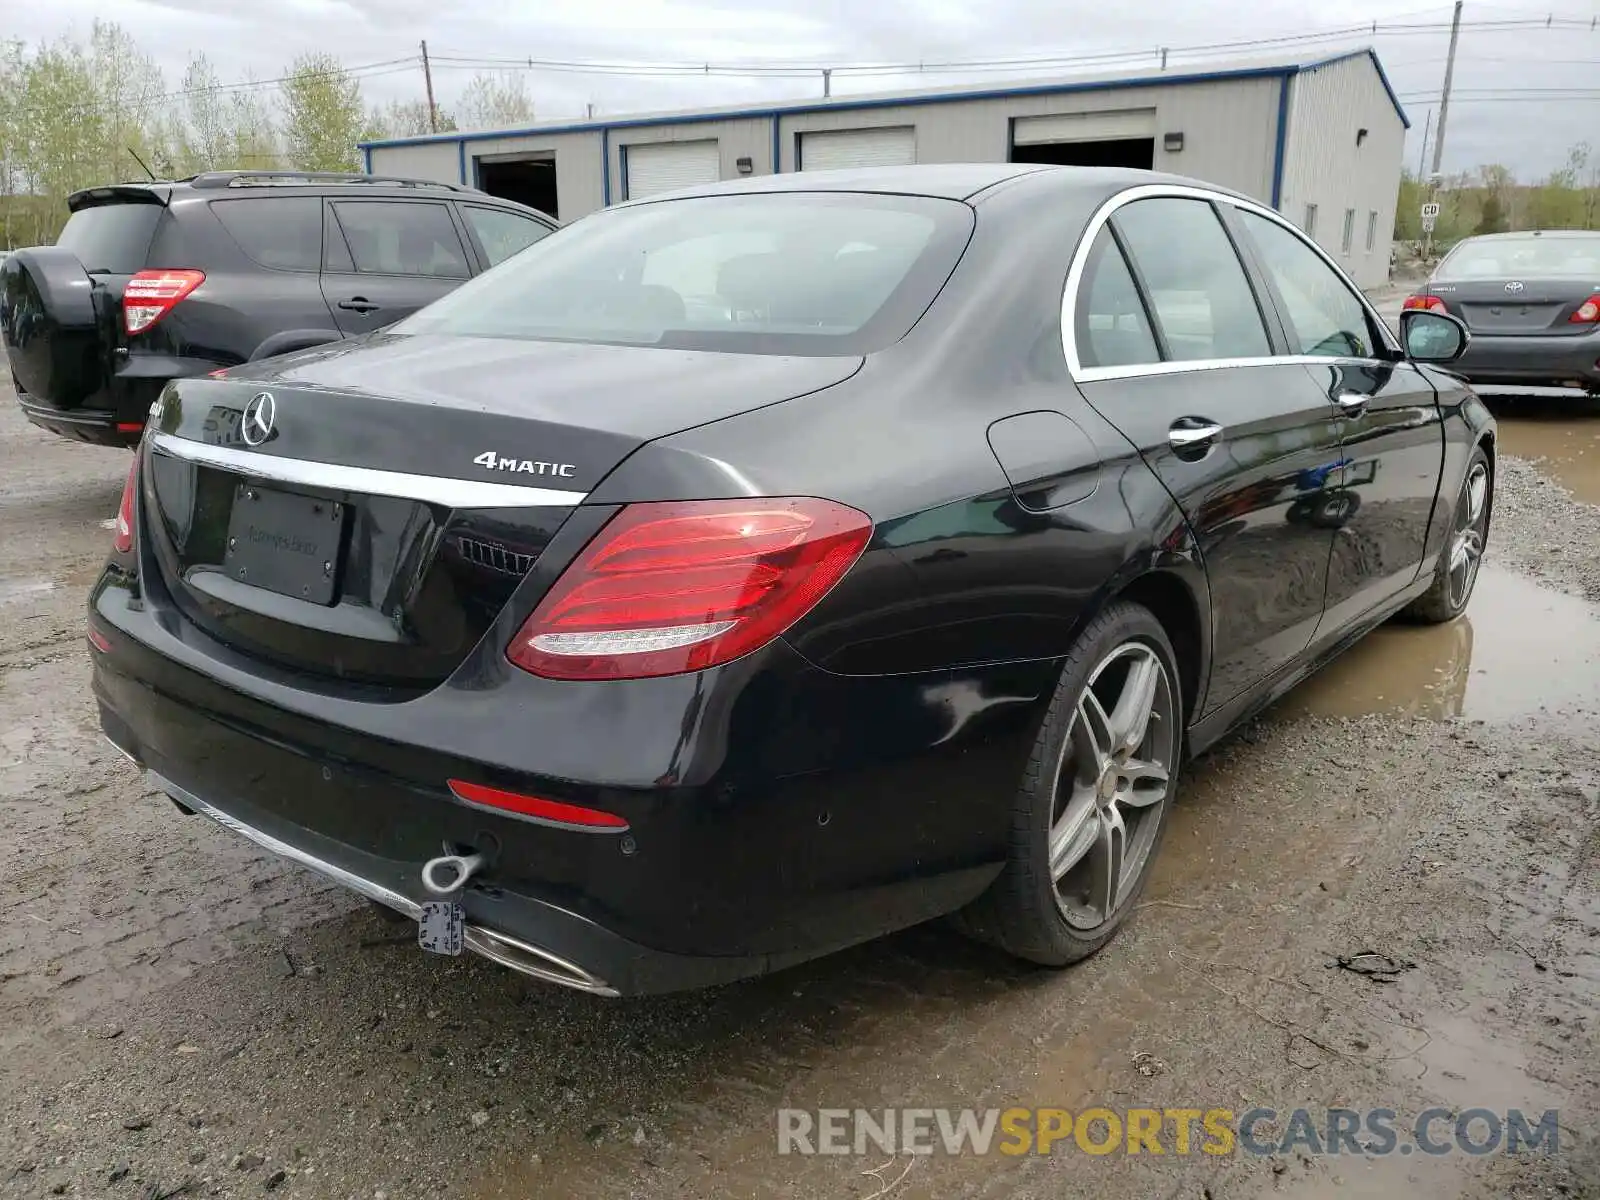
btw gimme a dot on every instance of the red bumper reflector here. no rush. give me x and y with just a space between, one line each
98 640
535 806
129 426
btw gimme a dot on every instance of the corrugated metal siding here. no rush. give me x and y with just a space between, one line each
1229 126
1324 165
436 161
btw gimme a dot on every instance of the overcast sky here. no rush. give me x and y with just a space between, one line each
252 39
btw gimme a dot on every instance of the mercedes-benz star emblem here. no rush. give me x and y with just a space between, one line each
1514 286
258 417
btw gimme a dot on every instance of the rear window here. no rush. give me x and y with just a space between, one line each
114 238
1546 257
812 273
281 232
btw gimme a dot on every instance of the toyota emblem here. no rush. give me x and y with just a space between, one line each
258 417
1514 286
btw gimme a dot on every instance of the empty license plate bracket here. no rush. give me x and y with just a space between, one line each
284 542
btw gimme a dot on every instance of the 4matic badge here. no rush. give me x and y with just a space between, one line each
524 466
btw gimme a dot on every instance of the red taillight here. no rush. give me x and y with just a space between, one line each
122 540
98 640
535 806
150 296
684 585
1426 303
1588 312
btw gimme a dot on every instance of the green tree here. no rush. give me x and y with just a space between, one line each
495 102
322 114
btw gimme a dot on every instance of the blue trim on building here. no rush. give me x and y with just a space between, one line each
605 168
839 104
1383 76
622 155
461 161
1282 141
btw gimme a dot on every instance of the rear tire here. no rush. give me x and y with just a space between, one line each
1092 808
1457 573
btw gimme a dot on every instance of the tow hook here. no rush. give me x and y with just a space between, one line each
456 868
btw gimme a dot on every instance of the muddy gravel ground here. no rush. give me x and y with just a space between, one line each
180 1015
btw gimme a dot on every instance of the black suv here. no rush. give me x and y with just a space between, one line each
150 282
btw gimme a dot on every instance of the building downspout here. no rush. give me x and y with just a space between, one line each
605 166
461 161
1282 140
366 160
777 144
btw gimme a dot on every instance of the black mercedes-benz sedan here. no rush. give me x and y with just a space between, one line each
735 576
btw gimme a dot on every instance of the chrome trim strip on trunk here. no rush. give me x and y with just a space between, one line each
431 489
508 951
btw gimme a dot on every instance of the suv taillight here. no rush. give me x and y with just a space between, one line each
1426 303
150 296
122 539
678 586
1588 312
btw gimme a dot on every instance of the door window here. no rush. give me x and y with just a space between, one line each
1325 317
502 233
1199 295
399 237
1113 330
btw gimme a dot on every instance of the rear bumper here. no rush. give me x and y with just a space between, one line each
792 812
96 426
1532 361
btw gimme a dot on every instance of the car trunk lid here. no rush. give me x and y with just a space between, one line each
1512 307
363 511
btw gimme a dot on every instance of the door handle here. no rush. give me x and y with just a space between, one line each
358 304
1193 433
1352 404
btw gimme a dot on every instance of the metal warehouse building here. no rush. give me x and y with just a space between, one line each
1320 140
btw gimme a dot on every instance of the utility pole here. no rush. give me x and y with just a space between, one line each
827 82
1449 76
433 109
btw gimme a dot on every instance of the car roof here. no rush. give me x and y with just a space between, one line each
951 181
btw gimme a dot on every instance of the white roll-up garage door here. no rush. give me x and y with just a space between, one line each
827 149
655 167
1084 127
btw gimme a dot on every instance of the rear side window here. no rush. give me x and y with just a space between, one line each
1325 316
113 238
284 233
501 233
398 237
1197 288
1113 330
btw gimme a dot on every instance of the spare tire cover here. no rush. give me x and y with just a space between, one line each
50 322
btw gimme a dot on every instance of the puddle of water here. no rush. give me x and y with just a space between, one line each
1561 430
1519 650
12 590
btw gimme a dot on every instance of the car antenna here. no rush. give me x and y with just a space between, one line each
141 162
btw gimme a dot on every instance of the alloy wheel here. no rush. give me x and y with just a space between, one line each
1113 784
1467 542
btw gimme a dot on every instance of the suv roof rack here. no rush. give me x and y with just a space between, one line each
227 179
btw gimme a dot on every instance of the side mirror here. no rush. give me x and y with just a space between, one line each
1432 337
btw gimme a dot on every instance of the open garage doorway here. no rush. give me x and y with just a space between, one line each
1087 139
526 180
1116 152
